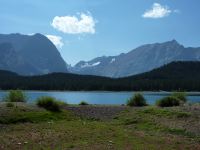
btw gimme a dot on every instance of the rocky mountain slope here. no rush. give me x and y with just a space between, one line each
29 55
139 60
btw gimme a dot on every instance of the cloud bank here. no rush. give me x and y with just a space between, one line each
85 23
157 11
56 40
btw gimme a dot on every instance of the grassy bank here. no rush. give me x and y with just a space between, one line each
150 127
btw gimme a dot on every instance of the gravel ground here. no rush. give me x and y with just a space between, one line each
97 112
191 124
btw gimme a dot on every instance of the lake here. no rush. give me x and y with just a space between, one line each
100 97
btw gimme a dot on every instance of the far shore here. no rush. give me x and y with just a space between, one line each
146 92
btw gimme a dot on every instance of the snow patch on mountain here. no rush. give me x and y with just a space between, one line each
112 60
90 65
95 64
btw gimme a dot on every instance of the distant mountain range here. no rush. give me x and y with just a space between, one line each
36 55
139 60
29 55
184 76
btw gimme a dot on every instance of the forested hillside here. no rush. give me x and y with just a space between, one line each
174 76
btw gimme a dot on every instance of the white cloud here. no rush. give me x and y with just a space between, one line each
75 25
157 11
56 40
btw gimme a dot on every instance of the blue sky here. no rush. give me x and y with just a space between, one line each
84 29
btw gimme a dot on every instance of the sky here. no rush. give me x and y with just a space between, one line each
85 29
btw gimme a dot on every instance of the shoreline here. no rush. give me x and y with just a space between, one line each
143 92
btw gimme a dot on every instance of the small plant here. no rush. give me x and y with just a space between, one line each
15 96
83 103
49 103
168 102
9 104
61 103
137 100
181 96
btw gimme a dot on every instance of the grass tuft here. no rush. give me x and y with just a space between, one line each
181 96
137 100
49 103
15 96
9 104
168 102
83 103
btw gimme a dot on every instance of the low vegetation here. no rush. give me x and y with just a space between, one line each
168 102
15 96
181 96
9 104
49 103
83 103
25 113
175 99
30 127
137 100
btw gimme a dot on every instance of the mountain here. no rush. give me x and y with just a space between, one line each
98 66
11 60
139 60
29 55
184 76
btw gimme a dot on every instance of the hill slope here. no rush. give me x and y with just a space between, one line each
174 70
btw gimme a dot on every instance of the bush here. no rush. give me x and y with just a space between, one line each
168 102
9 104
83 103
181 96
137 100
15 96
61 103
49 103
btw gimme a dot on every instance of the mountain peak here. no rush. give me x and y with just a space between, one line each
38 34
174 42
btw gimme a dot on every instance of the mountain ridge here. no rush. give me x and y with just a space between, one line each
141 59
36 54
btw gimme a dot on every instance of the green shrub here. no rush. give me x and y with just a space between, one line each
168 102
137 100
15 96
83 103
61 103
49 103
9 104
181 96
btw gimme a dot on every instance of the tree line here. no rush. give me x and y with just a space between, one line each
183 76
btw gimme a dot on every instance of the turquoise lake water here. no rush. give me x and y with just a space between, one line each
100 97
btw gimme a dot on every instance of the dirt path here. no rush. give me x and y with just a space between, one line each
97 112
